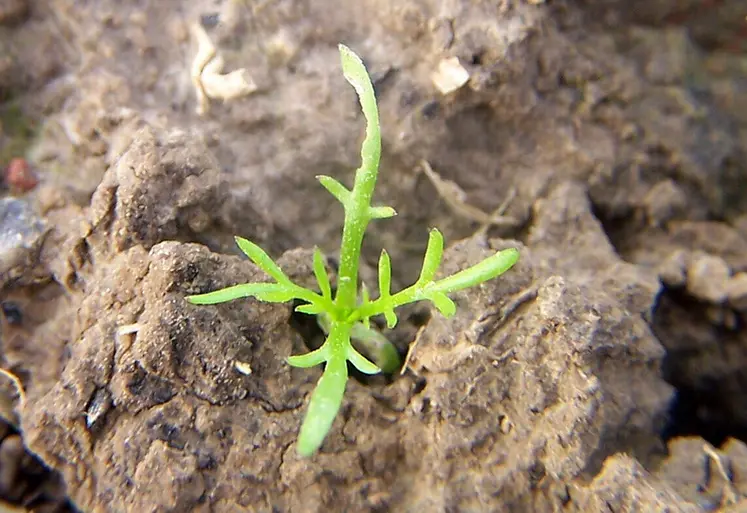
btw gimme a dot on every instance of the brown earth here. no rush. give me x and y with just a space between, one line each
606 372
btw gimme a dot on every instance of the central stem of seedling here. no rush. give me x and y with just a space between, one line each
352 240
358 204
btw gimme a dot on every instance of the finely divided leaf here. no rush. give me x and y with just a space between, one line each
385 284
488 269
365 299
274 292
335 188
381 212
310 309
262 260
355 73
391 318
323 407
304 361
361 363
271 292
432 260
320 272
385 274
445 305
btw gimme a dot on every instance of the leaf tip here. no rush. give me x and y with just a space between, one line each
382 212
346 52
391 319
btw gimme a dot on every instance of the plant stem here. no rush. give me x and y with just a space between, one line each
357 209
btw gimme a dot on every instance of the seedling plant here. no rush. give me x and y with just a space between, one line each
345 314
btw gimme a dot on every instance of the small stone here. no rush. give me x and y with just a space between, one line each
736 292
450 75
19 177
21 232
97 409
672 270
243 367
707 278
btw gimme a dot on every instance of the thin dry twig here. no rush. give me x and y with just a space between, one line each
730 493
456 198
411 351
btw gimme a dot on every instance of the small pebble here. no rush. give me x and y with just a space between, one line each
672 270
19 177
707 277
21 231
450 75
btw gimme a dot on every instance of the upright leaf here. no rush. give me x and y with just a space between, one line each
335 188
320 272
385 274
261 259
432 259
355 73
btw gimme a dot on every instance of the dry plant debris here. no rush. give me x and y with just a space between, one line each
207 75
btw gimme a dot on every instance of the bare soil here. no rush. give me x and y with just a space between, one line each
606 372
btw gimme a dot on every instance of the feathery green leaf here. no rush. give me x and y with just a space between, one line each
261 259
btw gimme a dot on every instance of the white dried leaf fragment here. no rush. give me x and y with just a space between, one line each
450 75
207 75
226 86
205 53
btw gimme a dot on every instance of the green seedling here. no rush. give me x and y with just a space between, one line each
345 315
